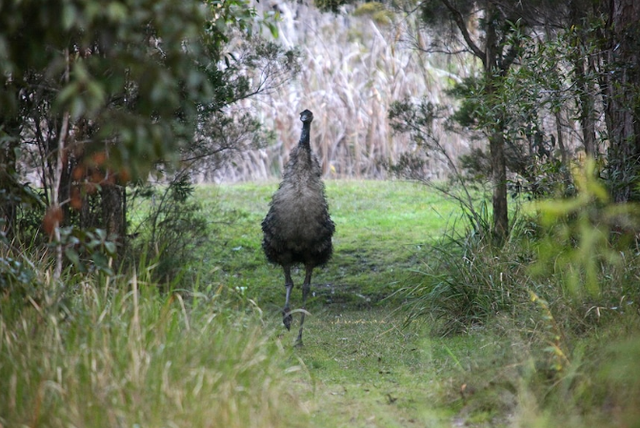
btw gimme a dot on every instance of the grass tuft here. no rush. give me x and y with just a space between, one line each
126 355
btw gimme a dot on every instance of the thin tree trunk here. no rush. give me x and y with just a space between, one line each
8 189
111 195
587 109
55 195
496 135
622 105
500 206
564 154
493 71
54 208
584 85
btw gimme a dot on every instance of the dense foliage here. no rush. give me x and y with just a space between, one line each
97 97
546 69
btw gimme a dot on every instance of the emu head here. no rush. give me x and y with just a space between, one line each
306 116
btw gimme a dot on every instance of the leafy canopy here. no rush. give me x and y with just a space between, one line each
135 71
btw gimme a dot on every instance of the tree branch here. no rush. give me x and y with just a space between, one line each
508 59
459 20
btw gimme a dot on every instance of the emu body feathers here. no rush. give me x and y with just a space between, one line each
298 228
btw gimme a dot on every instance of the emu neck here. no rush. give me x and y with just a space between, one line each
304 137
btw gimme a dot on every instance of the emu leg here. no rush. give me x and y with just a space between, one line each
286 312
306 287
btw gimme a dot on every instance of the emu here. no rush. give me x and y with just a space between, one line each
298 228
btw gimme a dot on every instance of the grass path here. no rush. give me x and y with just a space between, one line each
383 232
360 367
120 352
363 370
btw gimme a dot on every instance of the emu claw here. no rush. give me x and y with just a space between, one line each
287 318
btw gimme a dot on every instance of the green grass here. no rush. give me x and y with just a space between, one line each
383 231
364 370
120 352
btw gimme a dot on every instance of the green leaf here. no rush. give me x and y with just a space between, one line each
67 93
110 247
72 255
116 11
100 260
69 15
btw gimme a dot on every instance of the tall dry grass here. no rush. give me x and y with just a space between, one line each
354 65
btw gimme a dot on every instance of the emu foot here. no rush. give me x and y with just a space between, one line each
287 318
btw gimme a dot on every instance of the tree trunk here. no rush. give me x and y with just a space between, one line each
564 154
586 96
500 207
585 85
8 189
622 107
496 135
111 195
496 64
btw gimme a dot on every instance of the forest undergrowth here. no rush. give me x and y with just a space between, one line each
415 322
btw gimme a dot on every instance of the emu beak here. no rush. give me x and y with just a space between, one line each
306 116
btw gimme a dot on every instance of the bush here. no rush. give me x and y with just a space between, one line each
468 280
574 253
171 228
562 293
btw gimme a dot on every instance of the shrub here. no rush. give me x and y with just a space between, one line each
171 228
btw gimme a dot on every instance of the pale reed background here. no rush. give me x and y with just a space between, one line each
354 65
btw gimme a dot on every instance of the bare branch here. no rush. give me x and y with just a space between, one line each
462 26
